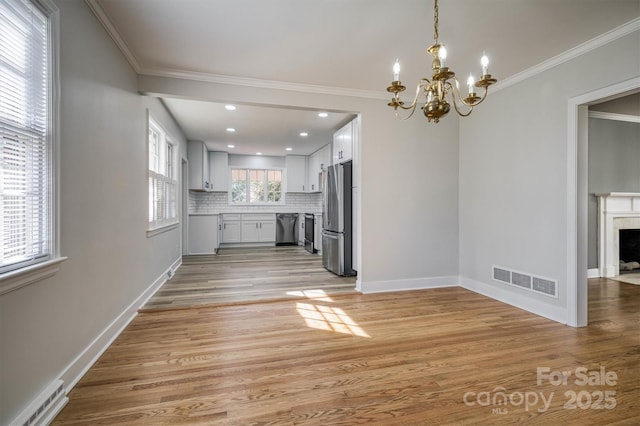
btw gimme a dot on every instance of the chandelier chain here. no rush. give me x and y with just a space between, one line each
435 21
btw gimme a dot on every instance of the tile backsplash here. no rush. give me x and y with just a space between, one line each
218 202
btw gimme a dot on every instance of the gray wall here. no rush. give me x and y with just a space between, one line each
513 173
614 166
103 212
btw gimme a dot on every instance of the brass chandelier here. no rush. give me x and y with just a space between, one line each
440 85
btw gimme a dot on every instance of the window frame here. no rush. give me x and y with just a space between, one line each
166 163
27 273
248 171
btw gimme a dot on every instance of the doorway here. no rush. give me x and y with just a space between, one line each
577 195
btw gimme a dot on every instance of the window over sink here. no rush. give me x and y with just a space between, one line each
256 186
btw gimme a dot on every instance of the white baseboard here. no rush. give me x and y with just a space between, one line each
408 284
85 359
593 273
537 307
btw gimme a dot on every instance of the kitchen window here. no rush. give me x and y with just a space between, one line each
28 141
163 184
256 186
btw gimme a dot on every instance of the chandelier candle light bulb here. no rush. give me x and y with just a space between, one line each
484 61
441 85
442 53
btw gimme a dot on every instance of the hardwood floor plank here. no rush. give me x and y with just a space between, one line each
241 275
418 355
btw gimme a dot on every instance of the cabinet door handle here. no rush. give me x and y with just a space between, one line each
256 225
261 226
225 226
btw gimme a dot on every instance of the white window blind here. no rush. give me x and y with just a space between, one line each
25 142
162 180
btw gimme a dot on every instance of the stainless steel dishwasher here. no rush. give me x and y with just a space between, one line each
286 229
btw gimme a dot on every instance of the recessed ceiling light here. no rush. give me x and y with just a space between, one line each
289 149
303 134
258 153
230 107
231 146
231 129
323 114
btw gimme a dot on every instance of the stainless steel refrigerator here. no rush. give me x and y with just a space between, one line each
337 254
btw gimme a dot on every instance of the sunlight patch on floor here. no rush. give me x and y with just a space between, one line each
315 294
328 318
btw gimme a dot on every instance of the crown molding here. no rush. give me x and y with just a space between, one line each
599 41
265 84
616 117
97 10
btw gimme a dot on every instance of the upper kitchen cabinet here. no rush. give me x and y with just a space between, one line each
296 166
198 166
343 144
219 171
318 162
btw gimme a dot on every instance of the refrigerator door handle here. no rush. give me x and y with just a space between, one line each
330 236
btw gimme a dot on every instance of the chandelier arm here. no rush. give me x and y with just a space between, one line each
413 104
455 102
484 95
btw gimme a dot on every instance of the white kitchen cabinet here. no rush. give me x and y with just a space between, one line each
203 234
219 171
343 144
356 148
231 228
355 242
318 162
258 228
296 167
198 166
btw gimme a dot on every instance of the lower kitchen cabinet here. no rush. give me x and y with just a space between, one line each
248 228
231 228
203 234
258 228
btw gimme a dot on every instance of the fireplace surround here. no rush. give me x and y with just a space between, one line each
616 210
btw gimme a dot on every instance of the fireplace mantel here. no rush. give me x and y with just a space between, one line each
612 207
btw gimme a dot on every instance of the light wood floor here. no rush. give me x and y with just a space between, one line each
240 275
394 358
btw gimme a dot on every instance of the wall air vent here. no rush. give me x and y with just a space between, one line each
526 281
542 285
521 280
45 407
500 274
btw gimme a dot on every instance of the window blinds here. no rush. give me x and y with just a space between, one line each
25 211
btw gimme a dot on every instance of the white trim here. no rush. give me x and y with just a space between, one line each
115 35
87 357
162 229
581 49
577 315
266 84
28 275
593 273
406 284
534 306
613 116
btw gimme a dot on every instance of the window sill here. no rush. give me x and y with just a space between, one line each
28 275
161 230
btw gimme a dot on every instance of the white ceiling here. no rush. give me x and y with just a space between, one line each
346 44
